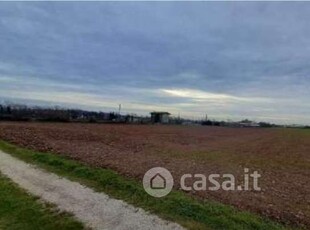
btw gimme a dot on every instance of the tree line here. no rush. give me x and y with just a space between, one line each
16 112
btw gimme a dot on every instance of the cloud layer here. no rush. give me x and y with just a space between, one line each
232 60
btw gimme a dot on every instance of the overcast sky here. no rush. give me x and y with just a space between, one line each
230 60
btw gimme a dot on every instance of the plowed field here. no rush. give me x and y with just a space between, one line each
282 156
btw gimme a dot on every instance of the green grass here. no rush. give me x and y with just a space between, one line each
21 211
177 206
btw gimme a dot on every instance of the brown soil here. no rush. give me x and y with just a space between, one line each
282 156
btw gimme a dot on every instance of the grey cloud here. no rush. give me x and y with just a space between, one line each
235 48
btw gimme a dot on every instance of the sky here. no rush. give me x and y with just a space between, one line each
229 60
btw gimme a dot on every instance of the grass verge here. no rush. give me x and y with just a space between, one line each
177 206
21 211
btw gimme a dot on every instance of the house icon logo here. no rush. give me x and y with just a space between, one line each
158 182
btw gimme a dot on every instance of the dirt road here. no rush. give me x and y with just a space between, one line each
95 210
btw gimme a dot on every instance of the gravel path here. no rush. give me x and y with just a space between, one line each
95 210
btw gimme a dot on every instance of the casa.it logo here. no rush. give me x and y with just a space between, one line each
158 182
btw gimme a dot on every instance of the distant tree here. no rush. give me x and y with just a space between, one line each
207 122
9 109
265 124
216 123
112 116
246 121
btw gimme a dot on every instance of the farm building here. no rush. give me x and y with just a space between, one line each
160 117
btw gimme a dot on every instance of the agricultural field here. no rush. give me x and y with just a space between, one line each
281 156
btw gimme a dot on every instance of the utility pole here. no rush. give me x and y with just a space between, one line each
119 109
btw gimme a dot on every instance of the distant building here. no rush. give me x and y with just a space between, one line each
133 119
160 117
248 123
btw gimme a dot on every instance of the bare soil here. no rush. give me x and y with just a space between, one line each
282 156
